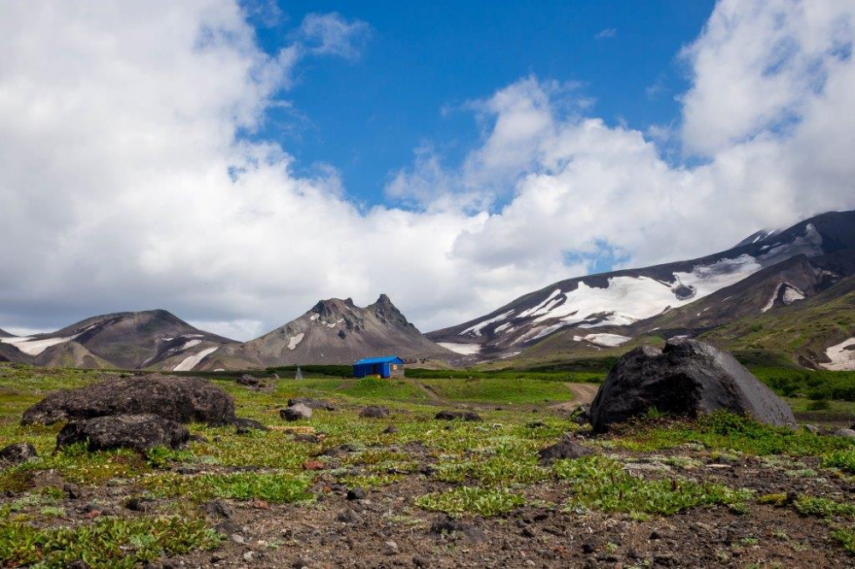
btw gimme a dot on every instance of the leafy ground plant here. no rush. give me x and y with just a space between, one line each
109 542
272 487
601 484
471 500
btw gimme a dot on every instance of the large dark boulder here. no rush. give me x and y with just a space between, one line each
138 432
685 378
182 399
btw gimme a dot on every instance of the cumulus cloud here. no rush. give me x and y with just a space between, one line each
332 34
126 183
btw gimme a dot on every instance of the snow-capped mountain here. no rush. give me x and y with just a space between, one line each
623 299
334 331
128 340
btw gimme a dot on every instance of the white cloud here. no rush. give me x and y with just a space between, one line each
606 33
124 184
332 34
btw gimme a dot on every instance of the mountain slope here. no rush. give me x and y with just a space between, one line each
71 355
4 334
335 332
807 331
127 340
593 309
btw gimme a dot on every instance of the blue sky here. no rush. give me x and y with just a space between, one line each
423 61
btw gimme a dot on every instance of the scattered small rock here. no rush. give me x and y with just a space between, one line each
390 430
812 429
228 528
339 450
350 517
390 548
137 504
311 403
72 491
306 438
17 453
218 509
374 412
449 525
356 494
565 449
581 415
248 380
296 413
246 426
452 415
848 433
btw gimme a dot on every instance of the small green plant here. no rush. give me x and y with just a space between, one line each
471 500
272 487
823 507
846 537
110 542
840 459
600 483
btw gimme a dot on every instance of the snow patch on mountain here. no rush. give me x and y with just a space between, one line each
188 363
295 341
842 356
463 349
34 347
189 344
476 329
605 340
544 307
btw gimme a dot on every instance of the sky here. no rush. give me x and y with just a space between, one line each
236 161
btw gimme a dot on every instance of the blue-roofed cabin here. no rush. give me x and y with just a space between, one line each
391 366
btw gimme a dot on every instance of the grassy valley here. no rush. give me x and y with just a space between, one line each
721 491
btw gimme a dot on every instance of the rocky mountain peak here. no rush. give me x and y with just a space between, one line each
388 312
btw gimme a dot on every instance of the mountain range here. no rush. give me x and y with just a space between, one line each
796 285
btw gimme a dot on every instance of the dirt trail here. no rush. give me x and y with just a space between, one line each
583 394
434 396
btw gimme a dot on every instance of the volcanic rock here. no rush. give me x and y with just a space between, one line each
181 399
296 413
685 378
17 453
138 432
248 380
311 403
564 449
452 415
374 412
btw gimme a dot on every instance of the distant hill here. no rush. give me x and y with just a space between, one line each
334 331
152 339
4 334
